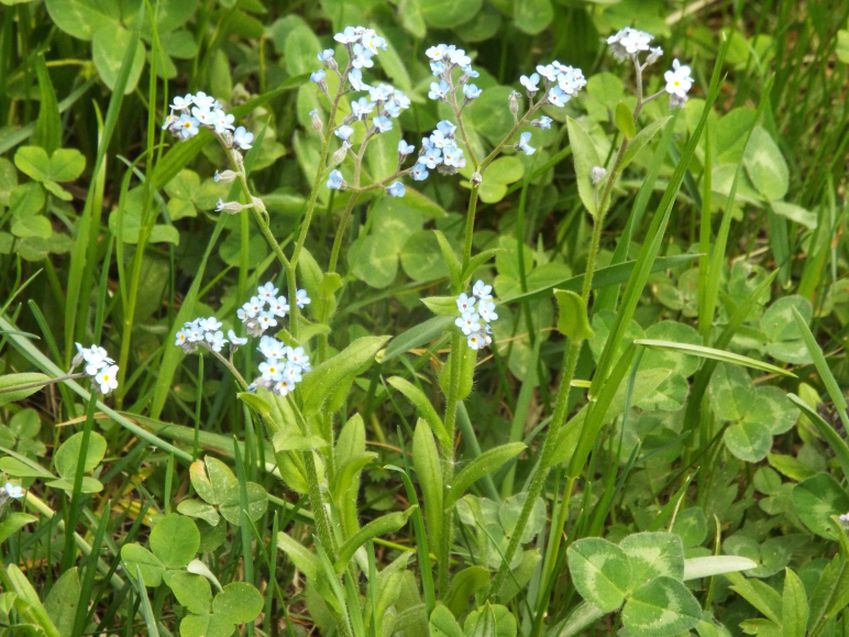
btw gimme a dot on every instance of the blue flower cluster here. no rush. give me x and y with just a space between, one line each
476 313
263 309
444 58
440 151
283 368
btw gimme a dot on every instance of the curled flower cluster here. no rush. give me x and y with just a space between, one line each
363 44
97 366
283 367
476 313
629 43
190 112
440 151
205 332
444 58
263 309
9 490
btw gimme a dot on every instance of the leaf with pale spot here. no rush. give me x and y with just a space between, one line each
600 571
662 606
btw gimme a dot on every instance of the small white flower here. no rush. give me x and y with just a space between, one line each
266 292
13 490
597 174
235 341
531 83
302 299
270 347
271 370
242 138
679 81
266 320
283 387
486 309
107 379
469 322
481 290
215 340
297 356
465 303
524 144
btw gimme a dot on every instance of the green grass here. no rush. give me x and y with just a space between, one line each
411 486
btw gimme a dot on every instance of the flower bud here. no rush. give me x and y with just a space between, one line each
317 124
513 100
340 154
224 177
477 178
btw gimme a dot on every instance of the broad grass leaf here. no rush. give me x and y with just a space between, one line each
662 606
572 318
601 571
62 601
491 620
816 500
175 540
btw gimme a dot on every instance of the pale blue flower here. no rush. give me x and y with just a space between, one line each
419 172
471 91
242 138
404 148
531 83
335 180
396 189
318 76
438 90
344 132
523 144
302 299
382 123
543 122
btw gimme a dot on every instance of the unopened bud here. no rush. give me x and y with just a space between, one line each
317 124
224 176
340 154
513 100
230 207
477 178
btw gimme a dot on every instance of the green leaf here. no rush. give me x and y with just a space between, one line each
794 606
14 522
109 46
62 601
212 479
81 18
135 556
421 257
68 455
654 554
31 226
238 603
624 120
303 559
192 591
698 567
766 166
491 620
662 606
342 368
715 354
423 405
600 571
485 464
572 318
26 200
816 500
446 14
429 474
197 509
175 540
749 441
388 523
443 624
371 262
532 16
586 157
257 503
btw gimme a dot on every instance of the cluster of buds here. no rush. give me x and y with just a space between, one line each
476 313
190 112
98 366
